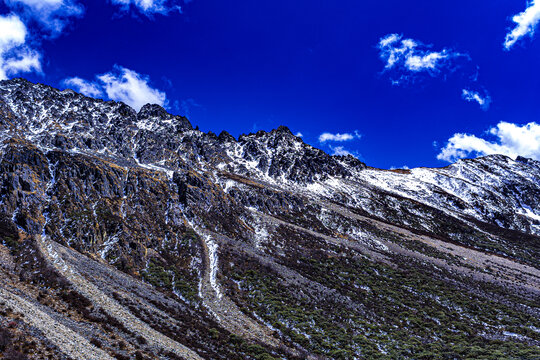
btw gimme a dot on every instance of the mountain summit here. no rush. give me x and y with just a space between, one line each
135 236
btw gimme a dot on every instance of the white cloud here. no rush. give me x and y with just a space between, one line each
150 7
474 96
409 58
121 84
327 137
46 19
299 134
15 55
526 23
340 151
428 61
507 139
131 88
51 15
324 137
84 87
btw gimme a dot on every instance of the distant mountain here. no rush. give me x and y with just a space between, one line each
135 236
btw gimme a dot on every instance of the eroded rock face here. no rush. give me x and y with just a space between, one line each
300 253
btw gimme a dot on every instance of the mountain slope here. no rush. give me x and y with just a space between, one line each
148 238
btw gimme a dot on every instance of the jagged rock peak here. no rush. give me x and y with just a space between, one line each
152 116
495 161
153 111
528 161
224 137
351 161
283 130
15 81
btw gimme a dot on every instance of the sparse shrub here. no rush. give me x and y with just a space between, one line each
12 354
236 340
141 340
75 300
12 324
256 349
214 333
5 339
96 343
120 356
265 356
109 320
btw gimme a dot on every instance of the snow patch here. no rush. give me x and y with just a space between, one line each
213 263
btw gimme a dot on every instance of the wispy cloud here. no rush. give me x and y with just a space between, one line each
327 138
526 23
151 7
407 59
84 87
187 105
474 96
52 16
15 54
121 84
340 151
299 134
324 137
506 139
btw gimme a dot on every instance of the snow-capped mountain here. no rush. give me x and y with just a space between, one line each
199 245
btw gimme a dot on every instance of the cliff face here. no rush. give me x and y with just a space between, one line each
140 237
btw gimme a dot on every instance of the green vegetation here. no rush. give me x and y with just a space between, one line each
170 279
11 243
256 351
174 270
156 275
397 313
188 289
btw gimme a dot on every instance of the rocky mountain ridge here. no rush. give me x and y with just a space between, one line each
196 245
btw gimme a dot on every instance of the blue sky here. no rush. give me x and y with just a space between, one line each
415 83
